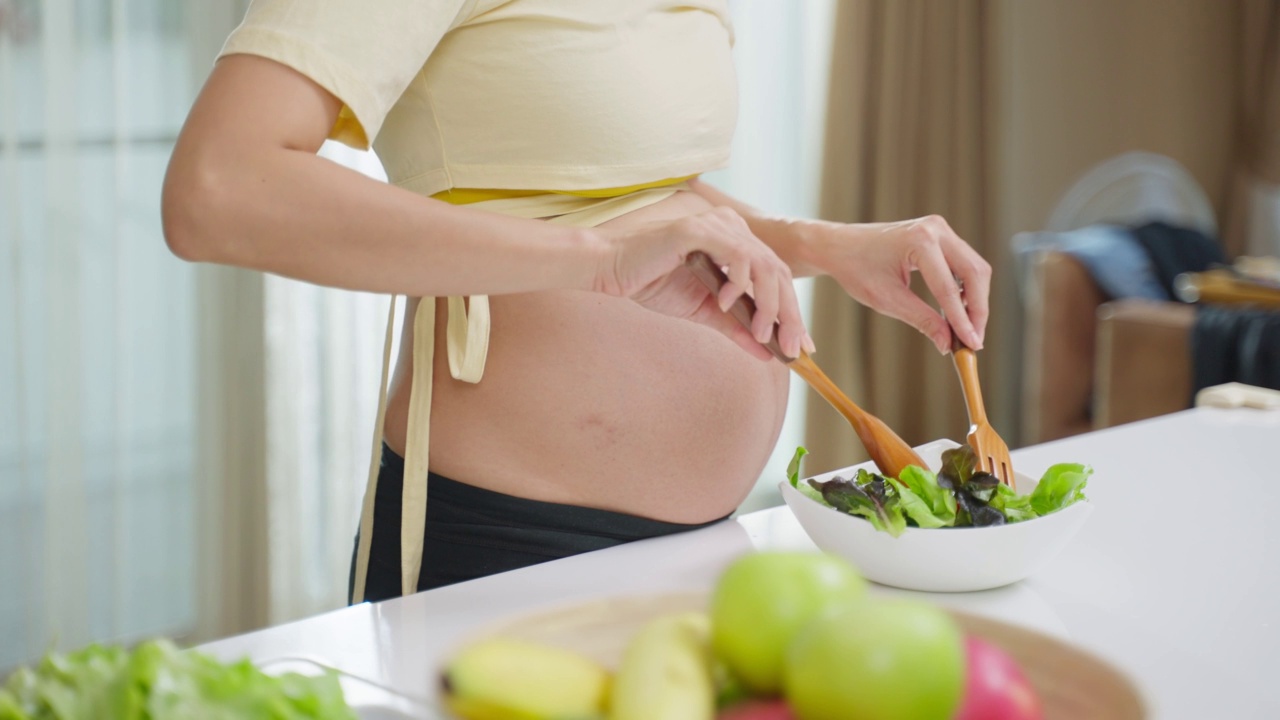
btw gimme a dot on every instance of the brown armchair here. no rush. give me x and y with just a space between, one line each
1089 363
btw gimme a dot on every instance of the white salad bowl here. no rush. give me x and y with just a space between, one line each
938 559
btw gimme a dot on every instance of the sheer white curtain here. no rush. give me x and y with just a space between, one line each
181 448
97 391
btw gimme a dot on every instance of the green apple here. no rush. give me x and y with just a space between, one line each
758 710
877 660
763 599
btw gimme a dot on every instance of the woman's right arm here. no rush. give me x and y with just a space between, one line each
246 188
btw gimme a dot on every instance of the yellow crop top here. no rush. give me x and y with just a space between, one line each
574 111
515 94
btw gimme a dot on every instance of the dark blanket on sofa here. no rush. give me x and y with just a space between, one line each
1175 250
1235 345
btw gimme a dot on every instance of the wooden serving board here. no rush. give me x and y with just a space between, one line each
1072 683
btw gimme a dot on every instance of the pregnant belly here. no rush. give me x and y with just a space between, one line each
595 401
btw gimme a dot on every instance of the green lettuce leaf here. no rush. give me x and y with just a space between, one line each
868 496
1016 508
892 519
923 500
806 490
793 468
924 484
157 681
916 508
1060 486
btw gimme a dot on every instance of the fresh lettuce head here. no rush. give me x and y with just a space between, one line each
157 681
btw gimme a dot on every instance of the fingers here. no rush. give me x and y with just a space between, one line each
899 303
649 265
975 274
767 303
739 274
942 284
792 336
711 315
752 267
957 277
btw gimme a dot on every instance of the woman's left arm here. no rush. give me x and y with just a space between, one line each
873 262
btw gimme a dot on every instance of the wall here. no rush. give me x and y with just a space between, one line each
1082 81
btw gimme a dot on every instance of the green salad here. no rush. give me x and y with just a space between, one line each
157 681
958 495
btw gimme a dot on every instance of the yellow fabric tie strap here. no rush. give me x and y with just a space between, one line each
468 346
468 338
371 488
413 504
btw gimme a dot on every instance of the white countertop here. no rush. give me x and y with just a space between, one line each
1175 578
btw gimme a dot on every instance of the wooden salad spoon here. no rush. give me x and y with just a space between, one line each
890 453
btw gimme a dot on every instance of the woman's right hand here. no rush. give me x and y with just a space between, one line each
647 264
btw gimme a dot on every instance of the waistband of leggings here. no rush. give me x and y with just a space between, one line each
451 500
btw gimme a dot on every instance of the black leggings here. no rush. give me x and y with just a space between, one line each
472 532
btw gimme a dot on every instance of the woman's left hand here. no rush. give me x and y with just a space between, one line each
874 262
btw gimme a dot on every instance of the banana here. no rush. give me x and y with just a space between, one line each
501 679
666 672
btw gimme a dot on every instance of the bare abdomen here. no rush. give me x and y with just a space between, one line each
596 401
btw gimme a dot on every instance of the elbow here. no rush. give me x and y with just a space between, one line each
189 208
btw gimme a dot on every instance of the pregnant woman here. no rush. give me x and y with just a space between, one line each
564 384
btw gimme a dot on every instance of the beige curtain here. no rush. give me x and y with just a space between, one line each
1253 206
909 121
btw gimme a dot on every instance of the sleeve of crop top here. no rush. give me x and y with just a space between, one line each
365 52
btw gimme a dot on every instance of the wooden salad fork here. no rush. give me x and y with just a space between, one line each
992 451
890 453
